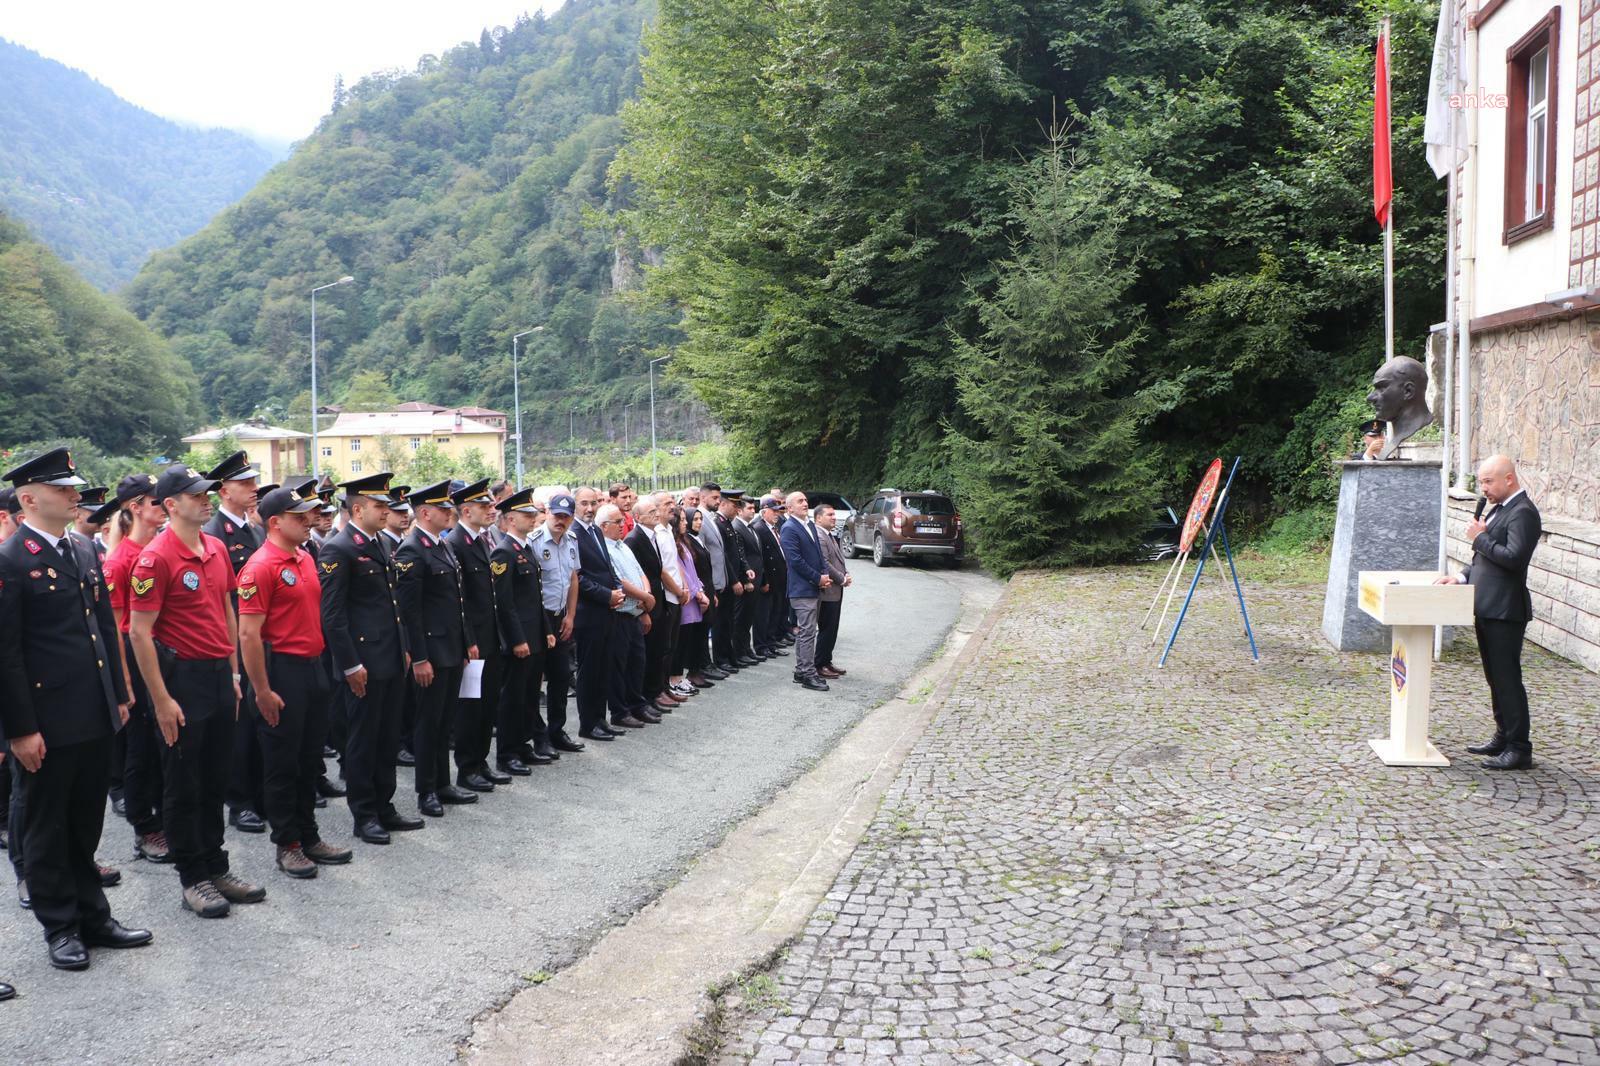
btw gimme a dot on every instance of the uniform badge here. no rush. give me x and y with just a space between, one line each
32 546
358 538
547 553
288 575
403 565
52 572
36 574
227 527
246 591
497 568
191 580
142 587
328 568
521 558
111 586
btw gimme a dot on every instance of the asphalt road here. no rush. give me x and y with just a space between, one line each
388 959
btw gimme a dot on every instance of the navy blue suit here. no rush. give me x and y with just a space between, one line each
804 556
596 624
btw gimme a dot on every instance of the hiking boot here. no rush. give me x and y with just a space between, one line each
152 847
325 854
235 890
204 899
293 861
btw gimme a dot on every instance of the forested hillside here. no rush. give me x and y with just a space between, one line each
1054 256
104 183
456 195
73 363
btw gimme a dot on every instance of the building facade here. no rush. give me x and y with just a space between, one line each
273 450
361 443
1528 206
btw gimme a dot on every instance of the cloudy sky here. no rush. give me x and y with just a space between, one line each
264 68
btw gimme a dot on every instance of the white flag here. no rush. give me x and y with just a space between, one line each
1441 133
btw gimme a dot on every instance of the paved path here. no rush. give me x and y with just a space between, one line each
1088 859
389 960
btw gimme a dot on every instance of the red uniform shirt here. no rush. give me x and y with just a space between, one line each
118 565
190 591
286 589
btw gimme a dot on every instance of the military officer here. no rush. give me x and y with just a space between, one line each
62 698
472 543
520 734
361 621
280 639
238 488
431 610
394 532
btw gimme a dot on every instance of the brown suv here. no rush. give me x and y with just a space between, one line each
899 524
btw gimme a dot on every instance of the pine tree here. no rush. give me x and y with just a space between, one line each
1047 459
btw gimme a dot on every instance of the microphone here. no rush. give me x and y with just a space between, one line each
1482 502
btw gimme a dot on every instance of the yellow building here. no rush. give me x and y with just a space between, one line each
273 450
365 442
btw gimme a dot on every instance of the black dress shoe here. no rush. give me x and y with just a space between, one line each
651 715
496 777
5 840
247 821
627 721
540 758
545 752
476 782
68 953
109 876
403 757
516 767
748 661
457 796
779 651
715 673
372 832
320 803
562 742
597 734
428 803
1488 747
1510 760
114 935
815 684
395 822
6 992
327 786
725 668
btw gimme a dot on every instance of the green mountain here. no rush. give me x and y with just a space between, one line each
104 183
76 364
459 196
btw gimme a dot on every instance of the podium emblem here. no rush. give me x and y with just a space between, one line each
1397 666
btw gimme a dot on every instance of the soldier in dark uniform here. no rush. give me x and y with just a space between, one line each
88 522
472 543
431 610
361 621
238 489
62 698
394 533
520 734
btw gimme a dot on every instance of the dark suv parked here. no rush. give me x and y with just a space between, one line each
898 524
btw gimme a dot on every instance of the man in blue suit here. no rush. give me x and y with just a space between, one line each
599 594
803 553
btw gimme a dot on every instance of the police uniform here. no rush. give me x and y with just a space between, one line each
361 621
476 719
240 539
558 564
61 678
432 613
520 734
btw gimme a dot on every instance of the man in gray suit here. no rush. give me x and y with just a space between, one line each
711 536
831 598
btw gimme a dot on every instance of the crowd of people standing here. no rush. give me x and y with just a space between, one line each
206 649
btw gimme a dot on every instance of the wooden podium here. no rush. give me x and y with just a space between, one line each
1411 604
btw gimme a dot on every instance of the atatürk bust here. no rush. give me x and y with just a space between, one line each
1399 397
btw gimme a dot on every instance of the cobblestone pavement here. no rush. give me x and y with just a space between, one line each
1089 859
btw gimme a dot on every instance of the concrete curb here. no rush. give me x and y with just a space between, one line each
638 995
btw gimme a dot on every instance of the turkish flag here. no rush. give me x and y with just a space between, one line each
1382 174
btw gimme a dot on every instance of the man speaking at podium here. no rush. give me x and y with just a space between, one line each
1502 545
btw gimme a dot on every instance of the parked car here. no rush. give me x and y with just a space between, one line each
900 524
843 509
1161 539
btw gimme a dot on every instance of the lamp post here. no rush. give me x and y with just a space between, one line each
316 452
627 409
653 363
516 395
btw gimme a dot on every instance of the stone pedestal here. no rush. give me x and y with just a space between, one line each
1388 520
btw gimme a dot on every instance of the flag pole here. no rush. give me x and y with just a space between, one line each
1445 394
1388 226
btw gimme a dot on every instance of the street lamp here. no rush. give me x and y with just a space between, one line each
626 409
516 395
653 363
316 453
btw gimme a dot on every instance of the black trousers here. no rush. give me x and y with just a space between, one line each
141 770
436 713
476 719
827 629
370 747
119 761
722 626
772 622
519 725
64 808
13 807
594 667
659 646
625 691
245 767
195 769
693 653
291 751
558 673
752 606
1500 648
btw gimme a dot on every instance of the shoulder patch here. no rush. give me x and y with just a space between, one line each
497 568
328 568
247 591
143 587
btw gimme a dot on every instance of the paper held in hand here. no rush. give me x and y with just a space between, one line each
472 680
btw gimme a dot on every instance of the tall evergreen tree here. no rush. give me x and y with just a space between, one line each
1050 455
